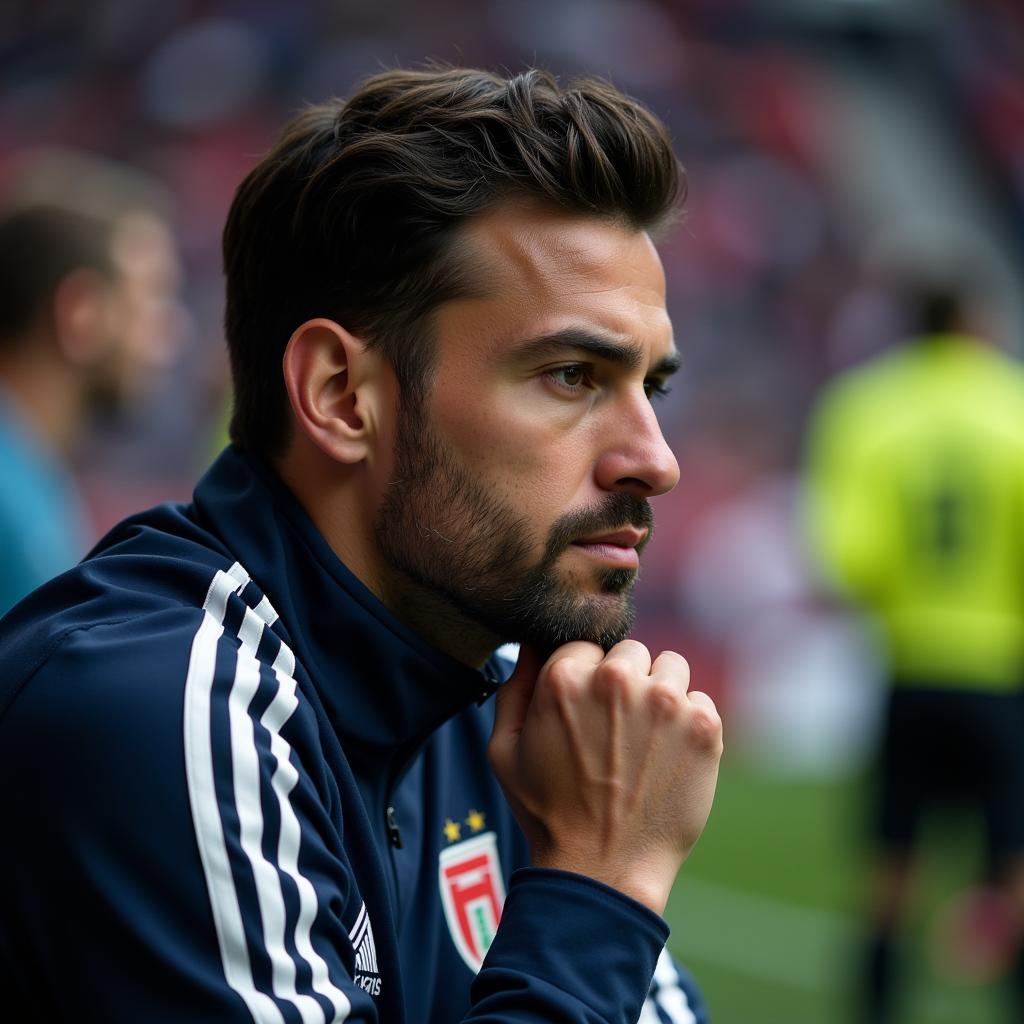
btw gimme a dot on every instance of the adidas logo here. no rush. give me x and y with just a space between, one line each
367 975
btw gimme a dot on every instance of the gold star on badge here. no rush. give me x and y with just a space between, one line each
475 820
452 830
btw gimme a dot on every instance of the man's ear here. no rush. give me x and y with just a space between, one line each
334 387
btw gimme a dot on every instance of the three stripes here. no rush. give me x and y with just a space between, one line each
206 813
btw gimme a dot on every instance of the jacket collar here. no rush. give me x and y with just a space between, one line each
384 688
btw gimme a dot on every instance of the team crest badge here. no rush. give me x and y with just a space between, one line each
472 894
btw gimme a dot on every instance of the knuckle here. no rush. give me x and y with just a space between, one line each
705 726
665 699
614 669
564 668
562 679
615 676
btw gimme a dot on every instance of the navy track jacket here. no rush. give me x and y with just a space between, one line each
236 788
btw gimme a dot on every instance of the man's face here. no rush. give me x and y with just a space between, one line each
143 329
518 496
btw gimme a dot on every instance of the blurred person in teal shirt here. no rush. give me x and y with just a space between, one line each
916 511
82 287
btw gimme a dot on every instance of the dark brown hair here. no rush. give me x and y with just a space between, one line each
39 247
354 213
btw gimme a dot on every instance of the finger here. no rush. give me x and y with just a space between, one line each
671 666
622 675
514 695
705 722
579 650
632 653
567 673
700 699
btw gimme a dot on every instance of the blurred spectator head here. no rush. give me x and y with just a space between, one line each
355 214
88 274
940 311
943 277
939 304
55 267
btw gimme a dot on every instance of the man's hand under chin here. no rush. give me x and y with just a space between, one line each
609 763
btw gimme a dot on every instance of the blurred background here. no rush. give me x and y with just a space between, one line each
825 141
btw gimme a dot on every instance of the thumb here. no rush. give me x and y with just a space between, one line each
513 698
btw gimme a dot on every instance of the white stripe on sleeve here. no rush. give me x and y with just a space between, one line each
227 916
283 781
668 994
649 1012
246 777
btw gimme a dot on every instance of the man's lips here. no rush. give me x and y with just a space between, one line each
627 537
618 547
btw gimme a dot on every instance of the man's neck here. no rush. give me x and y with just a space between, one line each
437 620
334 499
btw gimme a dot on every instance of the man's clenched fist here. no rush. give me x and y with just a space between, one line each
609 763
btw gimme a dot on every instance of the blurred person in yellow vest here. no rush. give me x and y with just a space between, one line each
916 510
88 272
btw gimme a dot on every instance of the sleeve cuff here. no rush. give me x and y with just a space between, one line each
572 933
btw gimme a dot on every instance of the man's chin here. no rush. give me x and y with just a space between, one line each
618 582
592 580
601 617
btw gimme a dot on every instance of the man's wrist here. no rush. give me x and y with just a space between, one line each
647 884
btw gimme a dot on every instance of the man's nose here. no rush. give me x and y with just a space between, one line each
637 459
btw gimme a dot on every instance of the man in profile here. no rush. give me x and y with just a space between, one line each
275 785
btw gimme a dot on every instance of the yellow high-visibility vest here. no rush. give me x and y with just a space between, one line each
915 486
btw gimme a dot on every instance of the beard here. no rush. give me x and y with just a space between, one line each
444 531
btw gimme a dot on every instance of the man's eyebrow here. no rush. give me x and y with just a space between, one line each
630 356
667 365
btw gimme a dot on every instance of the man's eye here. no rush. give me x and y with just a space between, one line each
571 377
654 390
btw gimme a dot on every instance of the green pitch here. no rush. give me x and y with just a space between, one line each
765 911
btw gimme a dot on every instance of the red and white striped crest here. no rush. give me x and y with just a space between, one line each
472 893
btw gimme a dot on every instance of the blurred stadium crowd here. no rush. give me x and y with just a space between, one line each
821 141
827 143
